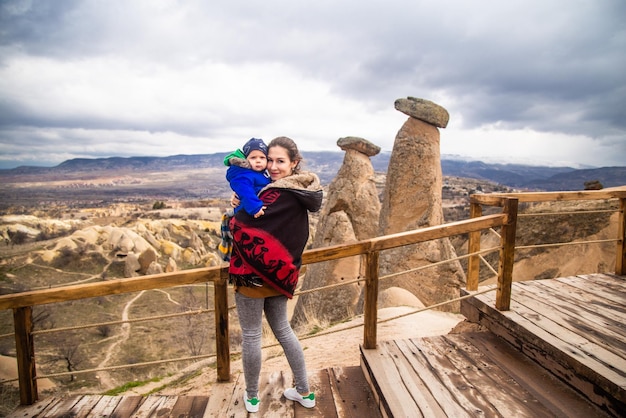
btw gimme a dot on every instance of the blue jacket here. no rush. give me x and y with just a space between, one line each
247 184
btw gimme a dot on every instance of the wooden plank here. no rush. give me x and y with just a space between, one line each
84 407
574 301
610 295
613 193
388 383
569 337
352 394
553 394
58 409
589 302
503 325
615 285
566 346
432 396
188 407
541 346
505 393
371 381
489 384
570 313
608 278
109 287
271 388
34 410
399 239
127 406
436 232
105 406
149 407
221 397
464 392
319 382
236 408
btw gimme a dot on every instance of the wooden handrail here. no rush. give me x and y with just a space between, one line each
400 239
611 193
502 199
109 287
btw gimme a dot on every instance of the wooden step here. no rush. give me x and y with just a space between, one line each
469 374
571 326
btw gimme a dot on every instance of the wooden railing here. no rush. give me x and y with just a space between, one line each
22 303
509 203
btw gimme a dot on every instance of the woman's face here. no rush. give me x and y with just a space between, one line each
278 163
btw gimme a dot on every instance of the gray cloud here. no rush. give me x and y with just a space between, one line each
209 75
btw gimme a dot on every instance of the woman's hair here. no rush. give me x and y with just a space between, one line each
291 147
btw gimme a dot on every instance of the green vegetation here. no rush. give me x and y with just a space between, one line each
127 386
159 205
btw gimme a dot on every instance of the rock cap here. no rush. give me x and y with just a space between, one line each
424 110
358 144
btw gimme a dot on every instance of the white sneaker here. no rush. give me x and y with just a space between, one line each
252 405
307 401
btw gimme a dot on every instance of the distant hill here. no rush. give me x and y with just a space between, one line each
327 163
535 177
513 175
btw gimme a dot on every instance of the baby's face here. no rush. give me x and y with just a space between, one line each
257 160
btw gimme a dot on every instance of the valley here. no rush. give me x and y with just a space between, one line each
92 226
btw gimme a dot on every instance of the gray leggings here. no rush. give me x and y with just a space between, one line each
250 312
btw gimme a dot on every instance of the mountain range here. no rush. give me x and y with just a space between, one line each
327 163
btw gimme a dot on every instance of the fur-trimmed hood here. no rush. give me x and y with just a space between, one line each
305 185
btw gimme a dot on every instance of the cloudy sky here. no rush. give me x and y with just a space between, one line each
531 81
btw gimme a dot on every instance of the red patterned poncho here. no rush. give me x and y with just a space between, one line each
271 246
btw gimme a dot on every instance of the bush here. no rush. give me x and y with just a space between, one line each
158 205
593 185
18 237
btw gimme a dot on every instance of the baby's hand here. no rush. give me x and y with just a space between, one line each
234 200
261 212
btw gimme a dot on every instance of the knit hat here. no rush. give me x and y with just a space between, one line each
254 144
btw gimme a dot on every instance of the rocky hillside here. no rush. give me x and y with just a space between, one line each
88 181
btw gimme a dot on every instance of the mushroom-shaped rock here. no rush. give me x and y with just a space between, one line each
358 144
424 110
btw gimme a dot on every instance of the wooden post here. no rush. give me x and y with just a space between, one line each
370 315
25 349
620 261
473 245
222 341
507 255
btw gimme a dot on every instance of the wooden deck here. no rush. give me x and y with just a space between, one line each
560 351
341 392
560 330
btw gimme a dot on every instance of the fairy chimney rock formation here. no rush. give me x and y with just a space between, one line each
350 213
424 110
411 200
358 144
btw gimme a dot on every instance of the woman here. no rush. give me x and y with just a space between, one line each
265 263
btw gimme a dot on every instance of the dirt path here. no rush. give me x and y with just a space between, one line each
104 376
337 346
